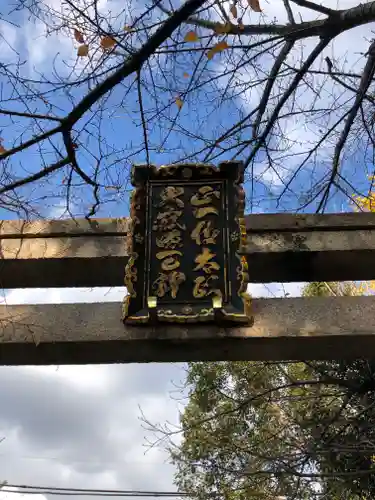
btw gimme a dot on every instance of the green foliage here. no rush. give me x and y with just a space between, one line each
258 430
327 289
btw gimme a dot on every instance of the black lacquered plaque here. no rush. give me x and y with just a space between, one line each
187 227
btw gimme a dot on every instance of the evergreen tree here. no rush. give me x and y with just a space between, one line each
292 430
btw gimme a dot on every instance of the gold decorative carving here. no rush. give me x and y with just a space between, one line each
218 240
139 238
131 275
131 272
187 173
203 314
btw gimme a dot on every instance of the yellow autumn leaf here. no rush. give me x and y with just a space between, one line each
233 10
185 75
78 36
179 102
128 29
83 50
191 36
221 29
254 5
107 42
216 49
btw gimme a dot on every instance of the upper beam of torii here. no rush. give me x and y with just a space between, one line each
280 248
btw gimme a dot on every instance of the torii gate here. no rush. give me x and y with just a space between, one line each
278 248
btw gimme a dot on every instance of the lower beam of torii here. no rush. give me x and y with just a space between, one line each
284 329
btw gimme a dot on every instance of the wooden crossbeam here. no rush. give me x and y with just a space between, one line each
280 248
62 253
302 328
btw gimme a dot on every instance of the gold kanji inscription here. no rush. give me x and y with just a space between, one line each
203 261
202 287
170 282
204 196
172 240
170 259
170 195
167 220
201 212
204 234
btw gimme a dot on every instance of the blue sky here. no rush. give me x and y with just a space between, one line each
121 135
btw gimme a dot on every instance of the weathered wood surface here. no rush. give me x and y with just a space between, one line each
350 221
302 328
62 253
280 248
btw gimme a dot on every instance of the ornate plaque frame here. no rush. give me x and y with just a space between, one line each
186 229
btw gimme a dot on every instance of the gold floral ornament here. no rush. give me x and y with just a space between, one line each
131 275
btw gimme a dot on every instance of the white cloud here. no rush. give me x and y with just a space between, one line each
42 50
259 290
80 426
64 295
300 132
8 42
16 494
